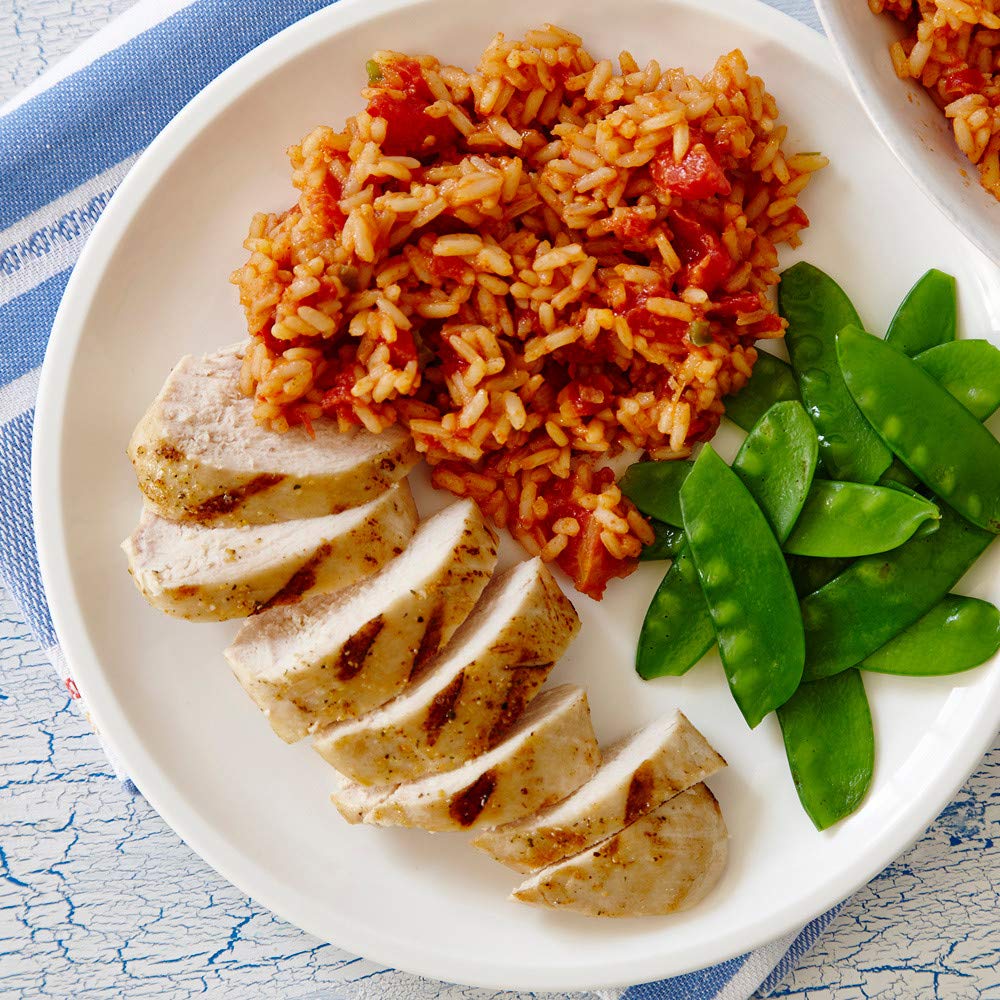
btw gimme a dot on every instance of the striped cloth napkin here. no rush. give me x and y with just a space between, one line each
65 145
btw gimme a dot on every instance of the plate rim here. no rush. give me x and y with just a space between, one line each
107 713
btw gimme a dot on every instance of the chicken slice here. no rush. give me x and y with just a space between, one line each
666 861
353 801
548 753
336 656
637 774
469 697
200 455
213 574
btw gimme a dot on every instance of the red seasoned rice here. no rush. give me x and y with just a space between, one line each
532 266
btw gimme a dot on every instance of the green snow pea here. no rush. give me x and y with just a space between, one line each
929 526
772 381
854 519
667 544
830 745
655 487
878 596
932 433
747 588
969 370
957 634
816 309
677 630
777 462
810 574
927 316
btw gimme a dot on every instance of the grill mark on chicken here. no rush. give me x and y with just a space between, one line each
303 579
523 681
640 789
430 641
610 847
227 502
442 709
356 649
467 806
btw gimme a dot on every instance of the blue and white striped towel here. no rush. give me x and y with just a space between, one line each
65 145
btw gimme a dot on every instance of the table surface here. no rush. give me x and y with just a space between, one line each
98 897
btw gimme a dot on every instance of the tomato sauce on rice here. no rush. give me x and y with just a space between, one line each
533 267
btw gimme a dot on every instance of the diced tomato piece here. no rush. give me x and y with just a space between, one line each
448 267
588 562
403 350
795 214
734 305
703 426
630 225
585 558
325 209
962 82
338 399
451 360
766 327
651 325
323 204
410 131
708 263
698 175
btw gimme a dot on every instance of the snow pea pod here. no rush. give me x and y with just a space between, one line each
927 527
855 519
878 596
927 316
667 544
655 487
750 597
816 309
777 462
830 745
677 630
772 381
957 634
931 432
969 370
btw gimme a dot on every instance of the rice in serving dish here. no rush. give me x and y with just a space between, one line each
532 267
951 47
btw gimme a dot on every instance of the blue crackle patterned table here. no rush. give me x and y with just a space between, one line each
98 898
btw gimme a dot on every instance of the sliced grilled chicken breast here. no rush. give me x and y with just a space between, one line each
471 694
336 656
353 801
666 861
200 455
547 755
637 774
213 574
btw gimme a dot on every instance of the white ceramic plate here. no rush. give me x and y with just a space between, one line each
152 286
910 122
